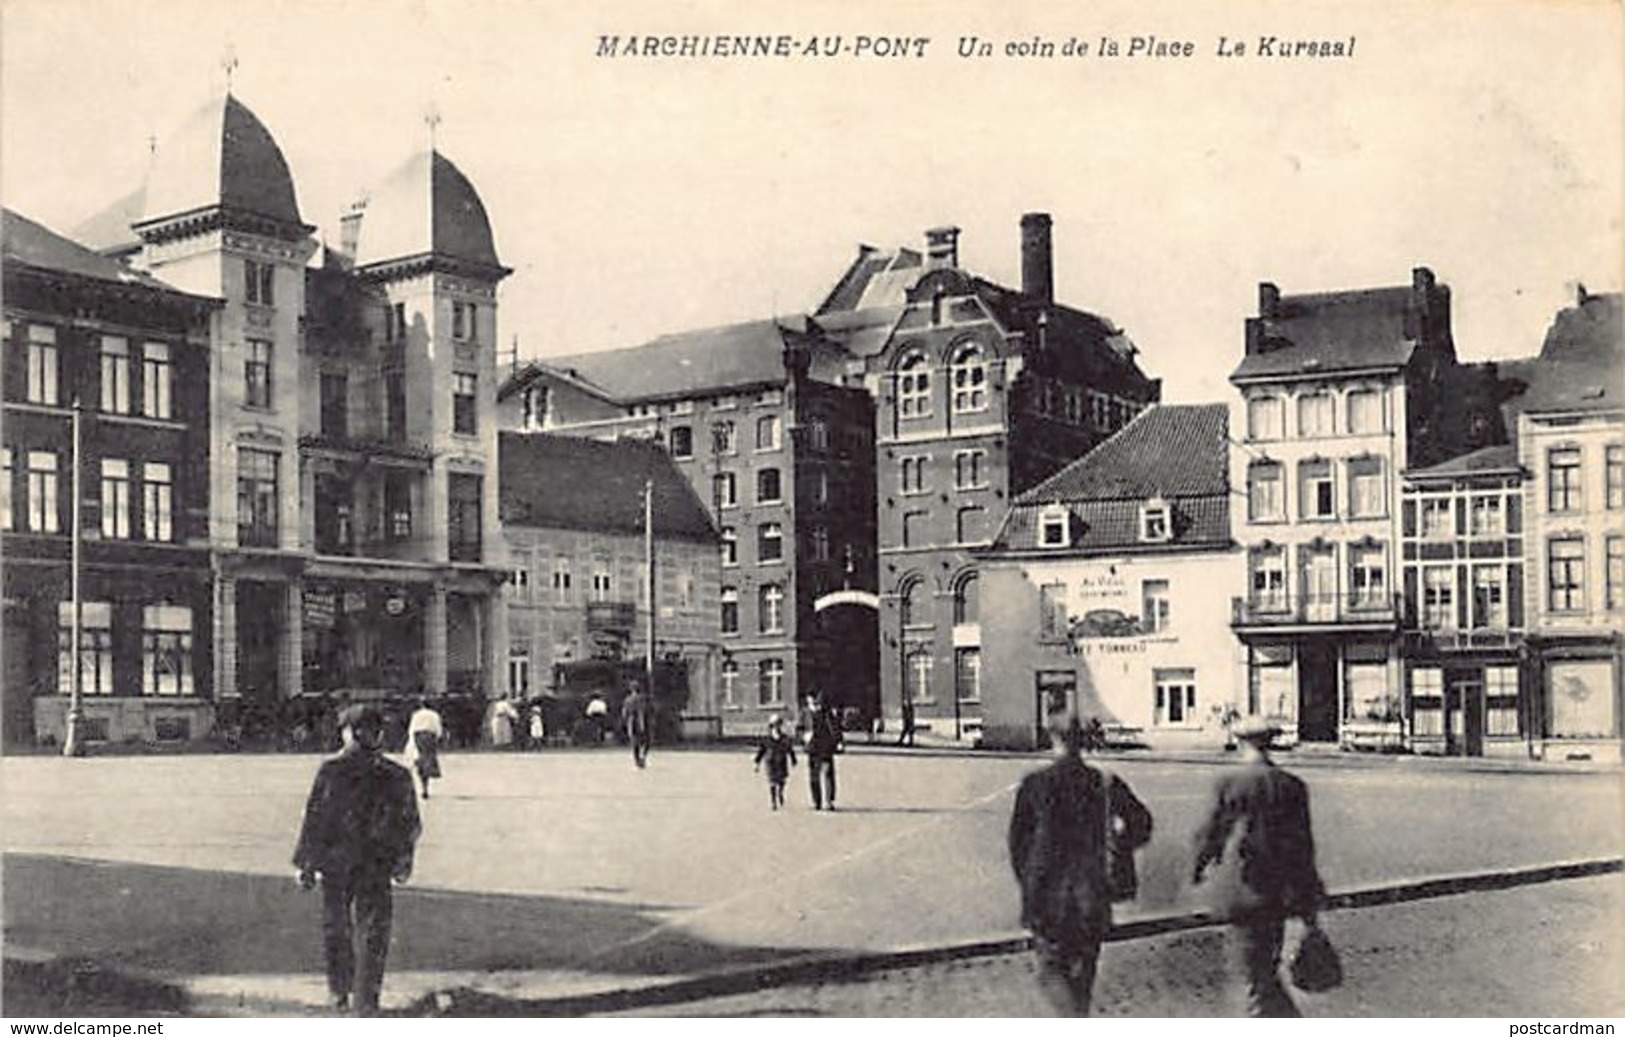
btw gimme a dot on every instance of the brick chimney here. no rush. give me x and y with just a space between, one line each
350 231
1269 299
1037 258
942 248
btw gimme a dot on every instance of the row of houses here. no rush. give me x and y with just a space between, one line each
302 471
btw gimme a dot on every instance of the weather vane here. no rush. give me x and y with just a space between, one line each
228 61
431 119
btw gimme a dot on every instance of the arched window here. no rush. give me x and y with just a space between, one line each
914 387
772 608
969 376
915 601
966 604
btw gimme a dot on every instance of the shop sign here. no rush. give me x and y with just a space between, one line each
320 607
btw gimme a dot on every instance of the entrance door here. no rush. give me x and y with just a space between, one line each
1317 691
1056 690
1464 714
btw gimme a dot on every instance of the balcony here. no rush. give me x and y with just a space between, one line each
1316 611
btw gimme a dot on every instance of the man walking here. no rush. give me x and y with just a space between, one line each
824 740
1072 837
635 721
1258 837
360 827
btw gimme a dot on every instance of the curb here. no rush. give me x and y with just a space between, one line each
838 968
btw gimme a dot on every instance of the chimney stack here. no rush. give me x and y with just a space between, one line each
1269 298
942 248
1037 258
350 230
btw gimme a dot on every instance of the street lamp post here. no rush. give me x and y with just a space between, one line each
71 744
649 568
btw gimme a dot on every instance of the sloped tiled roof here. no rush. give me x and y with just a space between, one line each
1500 458
109 230
222 156
561 482
1333 331
32 244
690 362
1582 362
1178 452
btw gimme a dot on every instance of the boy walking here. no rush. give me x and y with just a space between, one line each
779 750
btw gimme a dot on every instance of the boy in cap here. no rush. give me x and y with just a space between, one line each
1257 837
779 750
360 827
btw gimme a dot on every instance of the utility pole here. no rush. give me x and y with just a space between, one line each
71 745
649 570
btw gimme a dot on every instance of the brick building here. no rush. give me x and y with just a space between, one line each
131 355
782 458
981 391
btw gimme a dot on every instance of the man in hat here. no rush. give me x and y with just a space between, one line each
361 824
824 740
1070 819
1258 839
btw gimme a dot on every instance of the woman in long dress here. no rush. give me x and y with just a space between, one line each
423 734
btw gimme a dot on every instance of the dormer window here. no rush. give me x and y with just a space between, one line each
1156 521
1055 527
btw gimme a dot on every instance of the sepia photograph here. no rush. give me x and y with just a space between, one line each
938 509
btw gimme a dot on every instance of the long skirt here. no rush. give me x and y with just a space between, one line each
427 759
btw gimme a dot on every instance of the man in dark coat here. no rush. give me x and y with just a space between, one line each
638 724
1258 838
361 825
824 740
1070 824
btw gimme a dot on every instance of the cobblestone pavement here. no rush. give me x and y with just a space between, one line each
1555 950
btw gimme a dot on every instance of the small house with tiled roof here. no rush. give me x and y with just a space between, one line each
1105 590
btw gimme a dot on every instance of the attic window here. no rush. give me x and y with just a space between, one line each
1054 527
1156 521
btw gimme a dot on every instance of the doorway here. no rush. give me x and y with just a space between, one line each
1317 690
1464 713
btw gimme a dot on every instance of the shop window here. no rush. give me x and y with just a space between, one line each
95 648
1501 713
166 650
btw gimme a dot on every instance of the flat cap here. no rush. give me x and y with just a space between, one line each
362 714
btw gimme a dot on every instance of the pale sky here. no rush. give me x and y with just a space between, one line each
637 196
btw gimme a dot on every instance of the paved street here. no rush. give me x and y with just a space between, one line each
568 871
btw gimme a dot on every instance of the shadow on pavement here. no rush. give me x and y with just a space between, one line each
174 922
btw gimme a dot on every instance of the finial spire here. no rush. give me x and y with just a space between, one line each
431 119
228 62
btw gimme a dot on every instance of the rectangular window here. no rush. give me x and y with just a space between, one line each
767 432
920 665
518 672
1489 597
969 469
913 475
682 442
1315 414
464 393
115 499
724 437
395 322
5 489
561 579
257 387
43 370
1486 517
1613 459
1052 620
603 582
730 610
1176 698
1317 491
725 489
1563 479
395 405
115 374
1439 597
157 383
1438 519
166 650
44 502
1615 574
1156 523
1368 576
1266 499
95 648
1264 417
1501 701
1565 567
1365 411
1055 527
465 321
768 490
1269 580
820 544
463 517
730 685
769 542
1368 496
258 501
970 525
770 688
397 506
968 674
259 282
1156 606
730 546
770 609
915 528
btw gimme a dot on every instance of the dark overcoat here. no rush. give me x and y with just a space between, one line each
362 816
1258 841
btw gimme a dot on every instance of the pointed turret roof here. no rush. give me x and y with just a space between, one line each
427 211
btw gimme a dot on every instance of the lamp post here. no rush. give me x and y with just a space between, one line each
71 745
649 568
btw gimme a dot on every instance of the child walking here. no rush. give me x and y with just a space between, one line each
779 750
